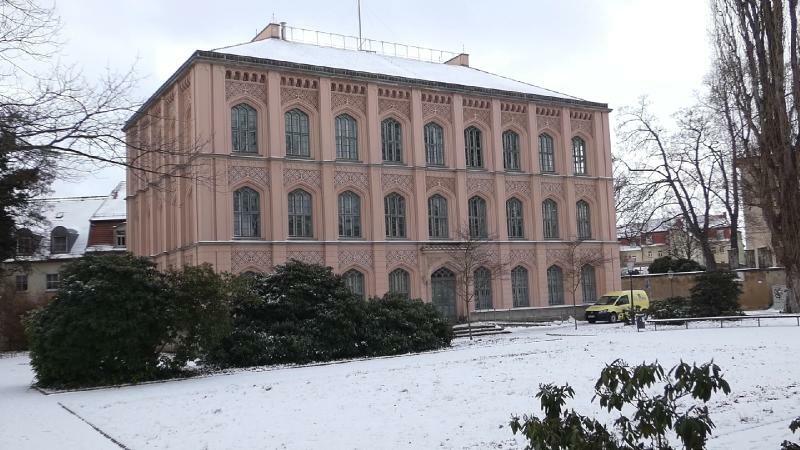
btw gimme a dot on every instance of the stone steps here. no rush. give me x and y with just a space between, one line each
481 329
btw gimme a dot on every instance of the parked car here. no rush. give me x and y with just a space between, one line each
615 306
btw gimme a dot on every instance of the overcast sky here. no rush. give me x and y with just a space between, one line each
611 51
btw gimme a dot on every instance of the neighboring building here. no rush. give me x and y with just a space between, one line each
359 161
72 227
670 238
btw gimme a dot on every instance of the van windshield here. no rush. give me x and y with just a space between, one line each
606 300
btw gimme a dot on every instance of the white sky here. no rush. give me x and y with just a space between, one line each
610 51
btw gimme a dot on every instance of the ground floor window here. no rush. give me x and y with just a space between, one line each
22 283
53 281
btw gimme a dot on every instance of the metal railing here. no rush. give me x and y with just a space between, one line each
334 40
722 319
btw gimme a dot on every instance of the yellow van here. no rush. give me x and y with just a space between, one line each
615 305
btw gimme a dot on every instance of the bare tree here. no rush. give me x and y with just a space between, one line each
758 63
685 162
469 253
576 259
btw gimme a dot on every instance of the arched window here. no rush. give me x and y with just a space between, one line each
394 206
514 218
511 159
246 213
482 280
349 215
434 144
400 283
300 219
354 280
588 284
519 287
555 285
59 240
297 134
473 147
392 141
550 219
26 242
244 127
584 220
443 292
477 217
346 137
579 155
437 217
547 157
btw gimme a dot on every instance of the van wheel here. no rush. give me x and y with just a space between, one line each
612 318
591 321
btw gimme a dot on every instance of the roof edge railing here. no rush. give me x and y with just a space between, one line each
345 42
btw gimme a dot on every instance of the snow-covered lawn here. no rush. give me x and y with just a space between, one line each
459 398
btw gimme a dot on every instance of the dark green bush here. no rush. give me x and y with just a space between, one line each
106 324
304 313
114 315
671 308
716 293
398 325
666 263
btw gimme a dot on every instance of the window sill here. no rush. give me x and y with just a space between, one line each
346 238
513 170
347 160
516 238
301 157
476 169
394 163
548 172
247 238
301 238
435 166
245 153
389 238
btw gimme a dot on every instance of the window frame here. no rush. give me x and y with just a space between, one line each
520 287
120 234
59 233
555 286
579 157
249 132
547 154
583 217
346 137
512 158
477 213
590 288
482 289
302 220
52 282
392 141
550 228
400 282
243 213
438 222
433 135
355 281
473 148
301 136
349 215
515 223
395 214
21 283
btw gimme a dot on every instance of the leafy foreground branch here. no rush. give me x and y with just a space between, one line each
657 417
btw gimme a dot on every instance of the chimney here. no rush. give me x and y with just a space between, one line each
462 59
283 31
271 31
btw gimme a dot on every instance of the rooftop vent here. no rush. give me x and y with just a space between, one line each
341 41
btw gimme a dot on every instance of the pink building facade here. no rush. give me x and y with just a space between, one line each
326 156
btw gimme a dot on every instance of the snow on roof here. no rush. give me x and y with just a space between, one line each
113 208
374 63
72 213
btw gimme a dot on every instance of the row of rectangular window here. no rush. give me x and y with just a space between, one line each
246 216
52 282
399 284
244 130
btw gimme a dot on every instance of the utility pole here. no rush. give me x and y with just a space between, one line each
359 25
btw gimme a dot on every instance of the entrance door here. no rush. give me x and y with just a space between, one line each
443 293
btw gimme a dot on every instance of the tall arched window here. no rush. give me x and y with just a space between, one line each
519 287
349 215
244 127
246 213
300 219
297 134
482 280
354 280
511 159
437 217
443 292
394 206
400 283
434 144
550 219
514 220
477 217
346 137
579 155
392 141
555 285
473 147
547 156
588 284
584 220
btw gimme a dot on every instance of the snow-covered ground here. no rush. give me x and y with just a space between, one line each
458 398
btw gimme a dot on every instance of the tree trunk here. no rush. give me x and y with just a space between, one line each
793 283
708 256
